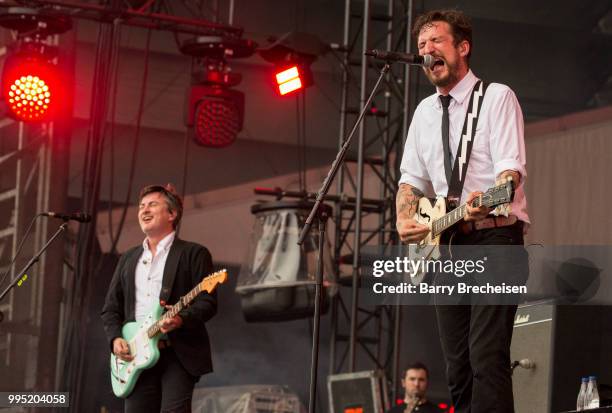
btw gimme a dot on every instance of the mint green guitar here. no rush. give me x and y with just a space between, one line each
142 338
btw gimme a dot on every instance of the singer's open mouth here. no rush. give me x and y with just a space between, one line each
437 62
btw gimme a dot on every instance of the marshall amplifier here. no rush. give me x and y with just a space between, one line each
553 346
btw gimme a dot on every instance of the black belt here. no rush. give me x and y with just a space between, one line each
490 222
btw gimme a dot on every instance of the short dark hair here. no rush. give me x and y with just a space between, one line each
173 200
460 24
417 366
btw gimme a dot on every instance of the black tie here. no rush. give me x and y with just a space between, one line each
448 168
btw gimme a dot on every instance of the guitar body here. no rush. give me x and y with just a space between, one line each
143 337
435 215
124 374
429 247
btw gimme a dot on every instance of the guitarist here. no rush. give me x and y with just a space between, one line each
159 272
475 338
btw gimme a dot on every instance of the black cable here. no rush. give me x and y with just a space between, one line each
113 124
92 108
299 142
143 89
76 303
69 369
185 165
86 256
86 263
304 165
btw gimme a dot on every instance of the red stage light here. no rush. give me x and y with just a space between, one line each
287 75
289 80
215 115
29 87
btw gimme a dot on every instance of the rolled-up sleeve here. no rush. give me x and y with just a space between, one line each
507 141
412 168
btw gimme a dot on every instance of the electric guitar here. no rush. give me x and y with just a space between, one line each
142 337
435 216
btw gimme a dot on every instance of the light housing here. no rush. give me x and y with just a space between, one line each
214 112
214 115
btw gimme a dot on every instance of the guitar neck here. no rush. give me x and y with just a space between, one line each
174 310
448 220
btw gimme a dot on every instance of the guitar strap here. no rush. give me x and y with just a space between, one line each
462 158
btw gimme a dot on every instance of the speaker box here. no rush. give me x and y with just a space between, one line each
564 342
361 392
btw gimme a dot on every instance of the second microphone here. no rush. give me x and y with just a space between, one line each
407 58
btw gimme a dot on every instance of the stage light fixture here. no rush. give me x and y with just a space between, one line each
215 115
31 83
292 54
30 86
215 111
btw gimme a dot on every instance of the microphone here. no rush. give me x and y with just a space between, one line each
408 58
77 216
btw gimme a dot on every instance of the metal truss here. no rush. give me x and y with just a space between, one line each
371 331
184 16
24 191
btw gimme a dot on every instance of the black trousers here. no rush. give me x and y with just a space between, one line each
166 387
475 337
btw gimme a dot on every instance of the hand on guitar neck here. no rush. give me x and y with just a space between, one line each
475 214
169 324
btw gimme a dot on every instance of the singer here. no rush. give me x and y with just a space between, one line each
475 338
160 271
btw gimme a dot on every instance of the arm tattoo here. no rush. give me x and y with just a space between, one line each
407 200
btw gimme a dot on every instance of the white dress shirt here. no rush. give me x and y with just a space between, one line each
149 275
499 143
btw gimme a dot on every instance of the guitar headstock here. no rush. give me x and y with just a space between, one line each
213 280
499 195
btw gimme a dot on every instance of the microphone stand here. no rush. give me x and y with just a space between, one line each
322 216
33 261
